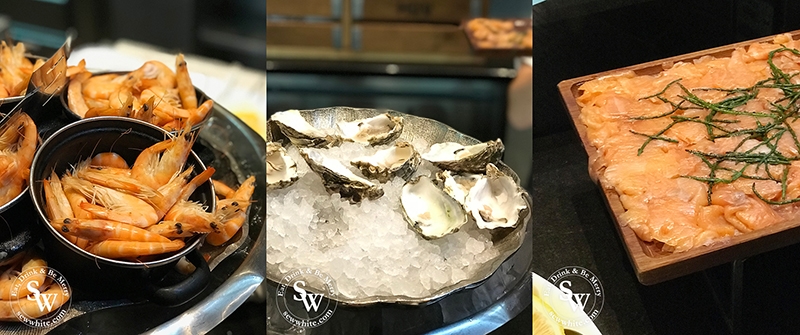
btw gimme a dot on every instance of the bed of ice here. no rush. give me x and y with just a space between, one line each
368 248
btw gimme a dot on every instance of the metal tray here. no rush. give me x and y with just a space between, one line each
496 281
237 152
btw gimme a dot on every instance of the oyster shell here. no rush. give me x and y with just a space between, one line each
377 130
429 210
456 157
301 133
400 160
338 178
281 168
496 201
457 185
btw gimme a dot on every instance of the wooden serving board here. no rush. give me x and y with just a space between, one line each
652 265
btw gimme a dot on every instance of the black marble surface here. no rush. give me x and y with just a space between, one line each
572 227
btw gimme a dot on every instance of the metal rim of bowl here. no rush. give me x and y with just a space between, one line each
456 287
65 104
137 265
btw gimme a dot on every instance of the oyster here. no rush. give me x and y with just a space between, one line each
377 130
338 178
457 185
496 201
456 157
292 124
429 210
281 169
400 160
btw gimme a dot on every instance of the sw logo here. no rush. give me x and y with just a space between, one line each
43 301
310 300
576 300
301 307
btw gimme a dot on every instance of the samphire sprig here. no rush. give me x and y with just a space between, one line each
771 126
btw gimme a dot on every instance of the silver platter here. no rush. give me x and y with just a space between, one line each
433 132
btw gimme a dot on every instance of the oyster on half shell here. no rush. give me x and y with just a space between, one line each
401 160
301 133
496 201
456 157
338 178
377 130
281 168
457 185
429 210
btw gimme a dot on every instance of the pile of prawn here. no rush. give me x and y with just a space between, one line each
113 210
19 274
151 93
15 69
18 139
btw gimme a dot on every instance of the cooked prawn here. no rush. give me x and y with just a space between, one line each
30 261
123 249
173 229
100 230
17 146
75 98
232 220
109 159
117 206
154 170
30 306
223 190
185 87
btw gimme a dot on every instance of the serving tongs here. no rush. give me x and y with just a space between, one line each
45 83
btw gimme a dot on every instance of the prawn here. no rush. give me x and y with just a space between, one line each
109 159
17 147
154 170
31 260
30 307
75 98
174 229
124 249
194 214
232 213
117 206
185 87
223 190
118 182
100 230
73 71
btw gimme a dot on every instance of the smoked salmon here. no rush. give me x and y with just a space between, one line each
703 150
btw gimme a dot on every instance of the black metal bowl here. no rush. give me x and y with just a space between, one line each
96 277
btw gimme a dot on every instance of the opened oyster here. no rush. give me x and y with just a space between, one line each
496 201
281 169
401 160
429 210
338 178
301 133
377 130
458 185
456 157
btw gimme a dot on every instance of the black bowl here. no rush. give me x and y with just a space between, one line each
104 278
201 98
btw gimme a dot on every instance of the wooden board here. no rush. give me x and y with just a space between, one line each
650 263
521 26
